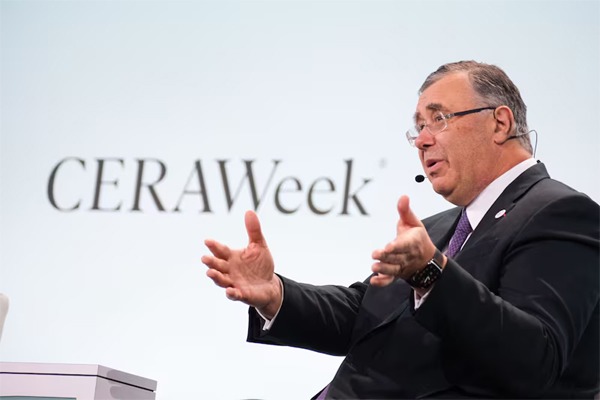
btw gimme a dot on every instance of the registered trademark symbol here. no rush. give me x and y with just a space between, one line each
382 163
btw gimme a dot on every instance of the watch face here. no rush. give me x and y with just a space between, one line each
431 275
427 276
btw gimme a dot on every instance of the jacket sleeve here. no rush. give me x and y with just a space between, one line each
318 318
521 336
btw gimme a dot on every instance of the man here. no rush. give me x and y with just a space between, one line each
511 313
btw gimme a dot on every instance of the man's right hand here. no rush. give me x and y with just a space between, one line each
246 274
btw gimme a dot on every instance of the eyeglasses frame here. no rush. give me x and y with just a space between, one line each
411 139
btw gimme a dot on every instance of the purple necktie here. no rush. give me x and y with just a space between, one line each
323 393
460 234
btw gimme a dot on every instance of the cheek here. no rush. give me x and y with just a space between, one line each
463 166
456 154
466 154
470 165
458 159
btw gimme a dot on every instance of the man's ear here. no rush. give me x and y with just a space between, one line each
505 124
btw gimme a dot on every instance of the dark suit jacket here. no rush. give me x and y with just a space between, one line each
514 315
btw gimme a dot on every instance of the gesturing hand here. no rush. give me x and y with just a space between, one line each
410 251
246 274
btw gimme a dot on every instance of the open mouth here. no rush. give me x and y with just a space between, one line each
430 163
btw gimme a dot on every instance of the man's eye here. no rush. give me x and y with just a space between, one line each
419 127
438 118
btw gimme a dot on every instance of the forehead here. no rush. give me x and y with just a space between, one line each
451 93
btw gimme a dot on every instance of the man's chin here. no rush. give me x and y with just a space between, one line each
439 185
444 190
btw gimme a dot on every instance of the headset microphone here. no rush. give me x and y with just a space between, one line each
419 178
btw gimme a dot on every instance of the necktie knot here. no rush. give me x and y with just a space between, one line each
463 229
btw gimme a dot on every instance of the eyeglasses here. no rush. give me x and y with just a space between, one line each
438 124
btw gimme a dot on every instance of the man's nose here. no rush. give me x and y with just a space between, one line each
424 140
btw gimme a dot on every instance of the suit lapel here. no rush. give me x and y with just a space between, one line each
505 203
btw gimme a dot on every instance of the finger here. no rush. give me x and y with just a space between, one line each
219 278
381 280
391 247
215 263
253 229
386 268
407 216
219 250
392 253
392 258
233 294
377 254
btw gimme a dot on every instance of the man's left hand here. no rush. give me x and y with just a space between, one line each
408 253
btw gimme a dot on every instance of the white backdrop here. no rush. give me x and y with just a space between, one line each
317 85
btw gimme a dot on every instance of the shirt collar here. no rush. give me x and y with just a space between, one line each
482 203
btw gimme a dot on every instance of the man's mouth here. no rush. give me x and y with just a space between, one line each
431 163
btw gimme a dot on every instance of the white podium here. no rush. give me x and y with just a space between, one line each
71 381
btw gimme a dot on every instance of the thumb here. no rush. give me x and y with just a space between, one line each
253 229
407 217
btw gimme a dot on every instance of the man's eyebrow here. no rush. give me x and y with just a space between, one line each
430 107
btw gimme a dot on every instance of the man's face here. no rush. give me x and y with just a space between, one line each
459 161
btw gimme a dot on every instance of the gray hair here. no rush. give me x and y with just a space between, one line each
495 87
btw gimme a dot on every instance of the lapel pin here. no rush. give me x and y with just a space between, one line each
500 214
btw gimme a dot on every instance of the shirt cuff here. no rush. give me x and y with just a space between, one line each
419 300
269 322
